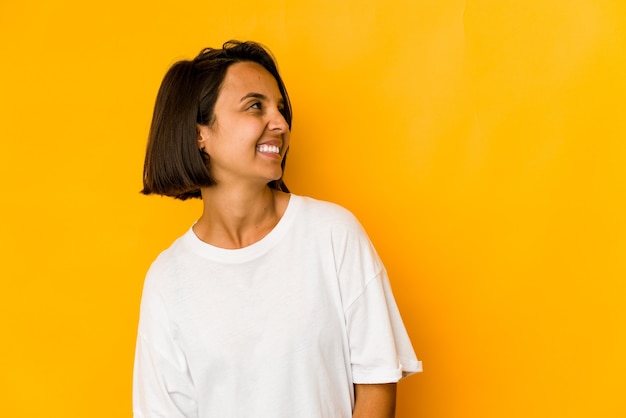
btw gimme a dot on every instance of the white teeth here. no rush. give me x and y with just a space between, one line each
268 148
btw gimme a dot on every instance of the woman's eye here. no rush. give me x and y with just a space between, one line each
255 105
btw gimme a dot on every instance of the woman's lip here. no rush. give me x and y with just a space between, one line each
276 143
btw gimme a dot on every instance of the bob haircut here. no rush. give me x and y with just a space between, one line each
174 166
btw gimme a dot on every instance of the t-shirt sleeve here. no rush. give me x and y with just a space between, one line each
380 348
162 385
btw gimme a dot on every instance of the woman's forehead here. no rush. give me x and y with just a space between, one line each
249 77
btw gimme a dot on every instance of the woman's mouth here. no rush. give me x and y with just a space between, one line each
268 148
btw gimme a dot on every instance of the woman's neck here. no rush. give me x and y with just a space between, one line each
238 218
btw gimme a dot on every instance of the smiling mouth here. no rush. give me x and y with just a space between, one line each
268 148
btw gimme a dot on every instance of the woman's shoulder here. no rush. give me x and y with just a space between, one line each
322 212
171 259
323 208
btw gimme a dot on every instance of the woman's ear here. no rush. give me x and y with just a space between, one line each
202 137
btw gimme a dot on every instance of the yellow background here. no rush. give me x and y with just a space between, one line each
481 144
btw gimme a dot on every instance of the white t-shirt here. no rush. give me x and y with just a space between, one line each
282 328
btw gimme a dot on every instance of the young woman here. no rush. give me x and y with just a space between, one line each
272 304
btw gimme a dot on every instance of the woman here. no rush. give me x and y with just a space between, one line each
272 304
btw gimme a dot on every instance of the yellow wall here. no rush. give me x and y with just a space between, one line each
481 143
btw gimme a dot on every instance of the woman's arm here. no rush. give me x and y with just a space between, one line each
375 401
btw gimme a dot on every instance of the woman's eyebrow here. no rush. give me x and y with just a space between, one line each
260 97
254 95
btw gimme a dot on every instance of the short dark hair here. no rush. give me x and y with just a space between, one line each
174 166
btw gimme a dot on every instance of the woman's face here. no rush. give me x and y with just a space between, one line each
249 136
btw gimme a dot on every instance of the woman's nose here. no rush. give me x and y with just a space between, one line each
278 122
